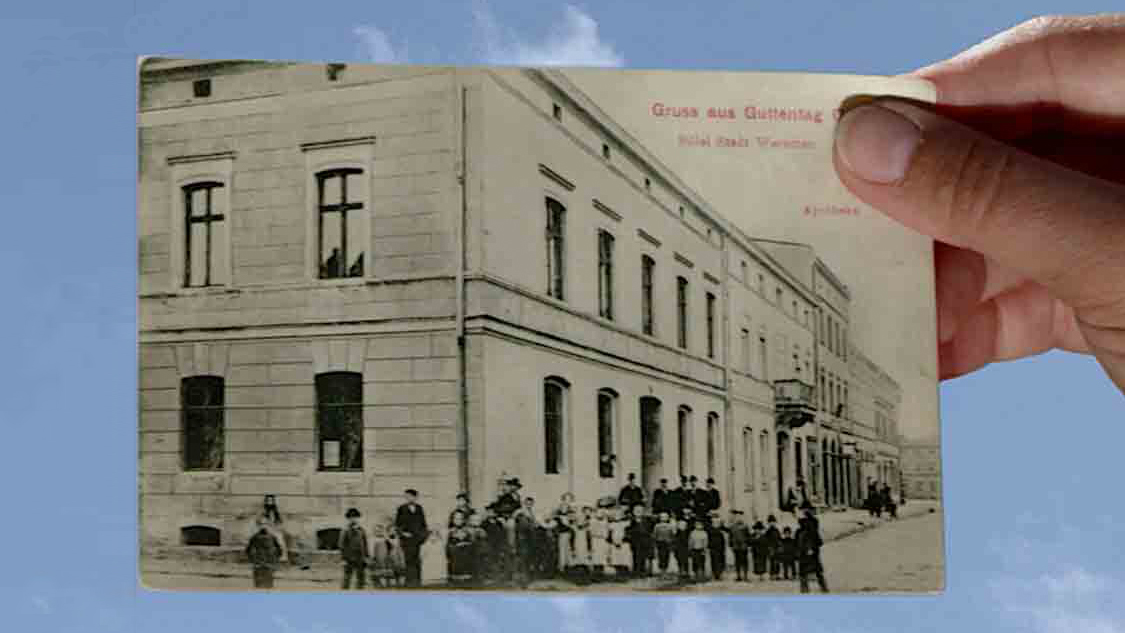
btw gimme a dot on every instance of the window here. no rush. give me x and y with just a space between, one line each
556 111
763 457
682 312
605 151
554 421
201 402
201 88
648 267
342 238
823 393
794 309
605 274
648 184
763 355
556 248
681 211
746 350
748 457
328 539
777 296
201 535
761 283
796 364
745 273
683 440
710 325
205 250
339 420
607 419
712 443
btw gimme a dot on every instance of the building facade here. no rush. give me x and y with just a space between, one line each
359 279
921 469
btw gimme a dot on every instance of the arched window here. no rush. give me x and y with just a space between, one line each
205 248
554 424
681 312
683 440
339 420
340 229
202 408
712 443
607 433
556 249
605 274
648 267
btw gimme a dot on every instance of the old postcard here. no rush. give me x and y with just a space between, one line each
514 329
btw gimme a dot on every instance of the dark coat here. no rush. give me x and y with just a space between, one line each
700 502
714 500
660 500
678 499
263 550
740 535
411 525
353 545
631 495
638 534
771 540
506 505
717 539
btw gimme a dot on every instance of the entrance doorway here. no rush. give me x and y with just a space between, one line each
652 454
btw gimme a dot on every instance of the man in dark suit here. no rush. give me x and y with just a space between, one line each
660 498
410 522
700 500
631 495
680 498
714 500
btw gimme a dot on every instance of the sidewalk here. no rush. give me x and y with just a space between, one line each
323 568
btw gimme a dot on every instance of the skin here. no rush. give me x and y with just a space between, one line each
1017 175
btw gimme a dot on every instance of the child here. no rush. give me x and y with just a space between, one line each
581 553
495 559
772 542
479 564
664 536
354 551
621 556
717 547
382 574
787 553
758 550
698 544
639 536
264 553
683 551
398 559
740 545
458 551
599 543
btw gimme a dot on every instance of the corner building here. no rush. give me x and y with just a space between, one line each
358 279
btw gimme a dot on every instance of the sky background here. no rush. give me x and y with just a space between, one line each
1033 514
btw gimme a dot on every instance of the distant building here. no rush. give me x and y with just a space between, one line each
921 469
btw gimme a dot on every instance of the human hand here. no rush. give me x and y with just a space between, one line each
1018 175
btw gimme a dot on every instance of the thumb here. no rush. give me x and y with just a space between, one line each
1060 228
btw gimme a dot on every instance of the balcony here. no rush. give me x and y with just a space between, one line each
793 401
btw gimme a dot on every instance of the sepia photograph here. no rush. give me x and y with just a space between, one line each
525 329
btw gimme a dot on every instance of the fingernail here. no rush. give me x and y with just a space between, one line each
876 143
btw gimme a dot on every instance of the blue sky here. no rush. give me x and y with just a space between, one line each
1033 513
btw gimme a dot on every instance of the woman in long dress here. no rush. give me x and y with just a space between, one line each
599 542
563 526
621 553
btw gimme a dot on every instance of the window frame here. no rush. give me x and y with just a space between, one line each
610 449
683 440
355 153
319 411
648 282
710 307
560 462
606 244
682 311
554 220
189 171
342 208
185 414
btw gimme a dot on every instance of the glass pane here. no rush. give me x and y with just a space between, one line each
330 245
355 188
198 262
218 252
357 243
198 202
218 201
331 192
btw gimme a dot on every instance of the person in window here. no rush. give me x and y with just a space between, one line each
631 494
410 522
264 552
350 446
353 549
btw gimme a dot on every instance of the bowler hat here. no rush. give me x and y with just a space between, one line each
710 480
771 519
352 513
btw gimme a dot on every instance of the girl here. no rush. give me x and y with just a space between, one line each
621 554
382 573
599 543
459 551
580 555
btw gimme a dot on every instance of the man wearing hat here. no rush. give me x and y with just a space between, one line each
740 545
353 549
808 543
410 521
700 499
660 498
714 501
680 498
631 495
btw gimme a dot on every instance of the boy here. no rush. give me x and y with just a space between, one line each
354 551
717 547
698 544
740 545
639 536
264 553
758 550
788 554
664 535
683 551
772 542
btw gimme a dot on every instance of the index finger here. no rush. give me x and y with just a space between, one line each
1068 71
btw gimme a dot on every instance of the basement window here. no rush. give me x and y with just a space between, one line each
201 535
201 88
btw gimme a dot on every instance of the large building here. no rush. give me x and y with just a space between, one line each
358 279
921 469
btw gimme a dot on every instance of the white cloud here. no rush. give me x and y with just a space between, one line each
1074 600
574 41
377 46
471 617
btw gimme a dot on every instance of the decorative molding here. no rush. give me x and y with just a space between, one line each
683 260
200 158
646 236
558 178
600 206
711 278
344 142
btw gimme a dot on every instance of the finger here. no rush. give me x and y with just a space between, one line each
1072 63
1053 225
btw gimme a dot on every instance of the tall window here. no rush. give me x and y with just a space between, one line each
341 239
607 419
605 274
648 267
763 356
748 456
745 273
339 420
746 350
201 405
778 296
763 456
204 254
710 325
556 248
712 443
554 424
823 393
796 365
683 439
682 312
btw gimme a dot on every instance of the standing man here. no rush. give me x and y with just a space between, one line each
264 552
660 498
700 501
714 499
679 499
808 552
410 521
631 495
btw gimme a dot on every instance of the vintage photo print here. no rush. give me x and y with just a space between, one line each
512 329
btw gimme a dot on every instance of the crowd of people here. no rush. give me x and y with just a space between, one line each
880 500
676 534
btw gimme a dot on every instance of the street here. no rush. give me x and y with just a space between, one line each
897 556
